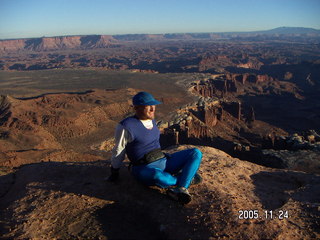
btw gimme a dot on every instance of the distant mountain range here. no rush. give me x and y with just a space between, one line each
106 41
291 30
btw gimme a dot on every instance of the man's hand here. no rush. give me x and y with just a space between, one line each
114 174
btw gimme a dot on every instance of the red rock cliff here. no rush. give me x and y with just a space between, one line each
56 43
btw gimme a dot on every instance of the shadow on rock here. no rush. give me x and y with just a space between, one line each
129 221
127 209
275 188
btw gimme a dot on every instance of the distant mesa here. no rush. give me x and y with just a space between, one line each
58 43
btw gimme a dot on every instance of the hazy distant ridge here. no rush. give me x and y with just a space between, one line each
292 30
106 41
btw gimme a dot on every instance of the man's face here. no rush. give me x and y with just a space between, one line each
145 112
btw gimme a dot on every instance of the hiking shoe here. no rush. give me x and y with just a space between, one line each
180 194
196 179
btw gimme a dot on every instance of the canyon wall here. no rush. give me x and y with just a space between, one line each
58 43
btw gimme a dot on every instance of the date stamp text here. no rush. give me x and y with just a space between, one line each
265 214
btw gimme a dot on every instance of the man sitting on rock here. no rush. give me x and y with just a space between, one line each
138 137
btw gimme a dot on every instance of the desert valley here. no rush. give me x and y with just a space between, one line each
249 101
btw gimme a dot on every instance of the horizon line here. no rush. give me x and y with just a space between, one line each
96 34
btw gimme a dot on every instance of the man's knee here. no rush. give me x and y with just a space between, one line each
197 154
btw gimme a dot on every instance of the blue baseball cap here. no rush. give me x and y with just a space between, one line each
145 99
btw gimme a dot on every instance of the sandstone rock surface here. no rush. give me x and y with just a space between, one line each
72 200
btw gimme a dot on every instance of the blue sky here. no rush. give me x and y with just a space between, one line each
36 18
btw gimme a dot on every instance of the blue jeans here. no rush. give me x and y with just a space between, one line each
177 169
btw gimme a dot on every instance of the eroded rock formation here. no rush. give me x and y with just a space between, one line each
231 125
48 125
235 84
